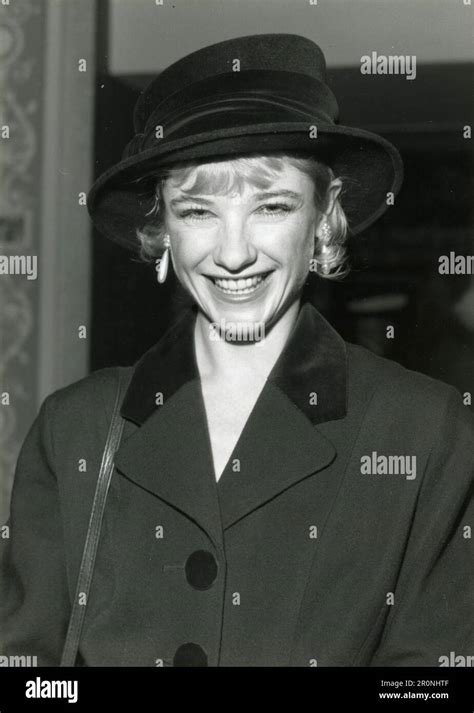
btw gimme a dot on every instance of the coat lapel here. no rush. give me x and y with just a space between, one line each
278 447
169 456
170 453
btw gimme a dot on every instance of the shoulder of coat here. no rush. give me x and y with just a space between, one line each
393 382
92 395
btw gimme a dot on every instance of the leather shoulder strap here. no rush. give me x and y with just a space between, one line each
86 571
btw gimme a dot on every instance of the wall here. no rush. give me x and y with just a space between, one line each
45 162
145 36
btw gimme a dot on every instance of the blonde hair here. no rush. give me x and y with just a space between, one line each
260 170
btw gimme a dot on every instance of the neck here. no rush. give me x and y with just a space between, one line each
233 361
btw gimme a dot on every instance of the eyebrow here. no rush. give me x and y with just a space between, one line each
276 194
256 196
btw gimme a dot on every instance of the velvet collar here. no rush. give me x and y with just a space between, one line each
313 361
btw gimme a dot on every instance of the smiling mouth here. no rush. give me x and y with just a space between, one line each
241 286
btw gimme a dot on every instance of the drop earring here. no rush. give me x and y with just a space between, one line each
163 262
326 232
325 235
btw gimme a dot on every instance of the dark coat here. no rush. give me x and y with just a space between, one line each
297 556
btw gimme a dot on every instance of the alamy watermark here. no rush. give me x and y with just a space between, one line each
374 63
375 464
229 331
456 660
453 264
18 661
40 688
19 265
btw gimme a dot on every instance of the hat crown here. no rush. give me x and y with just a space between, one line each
277 52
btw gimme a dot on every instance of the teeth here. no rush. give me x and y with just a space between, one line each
240 286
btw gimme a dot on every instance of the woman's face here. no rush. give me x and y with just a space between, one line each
243 256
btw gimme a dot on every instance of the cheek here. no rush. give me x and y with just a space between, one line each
187 250
296 246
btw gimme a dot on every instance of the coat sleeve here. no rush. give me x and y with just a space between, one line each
34 598
432 618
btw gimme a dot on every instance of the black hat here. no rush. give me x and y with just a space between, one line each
260 93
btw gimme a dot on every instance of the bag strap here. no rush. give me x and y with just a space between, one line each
86 571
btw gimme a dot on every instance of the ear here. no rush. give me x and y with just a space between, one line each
332 195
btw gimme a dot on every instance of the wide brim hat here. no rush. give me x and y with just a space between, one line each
254 94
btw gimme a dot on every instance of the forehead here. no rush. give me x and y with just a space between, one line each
237 177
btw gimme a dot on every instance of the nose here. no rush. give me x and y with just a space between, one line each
234 250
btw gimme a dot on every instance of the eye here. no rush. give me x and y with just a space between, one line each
196 213
275 209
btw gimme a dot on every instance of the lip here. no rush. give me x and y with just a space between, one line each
227 297
240 277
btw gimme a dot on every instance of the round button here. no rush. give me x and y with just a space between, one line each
190 655
201 569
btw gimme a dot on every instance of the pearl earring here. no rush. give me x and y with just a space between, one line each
163 262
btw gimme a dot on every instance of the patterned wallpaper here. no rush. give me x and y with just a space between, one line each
22 26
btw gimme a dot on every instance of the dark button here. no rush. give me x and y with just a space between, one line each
190 655
201 569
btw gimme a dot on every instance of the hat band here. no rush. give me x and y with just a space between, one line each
209 104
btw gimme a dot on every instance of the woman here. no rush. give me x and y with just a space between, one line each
280 497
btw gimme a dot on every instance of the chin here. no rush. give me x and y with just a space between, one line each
243 314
